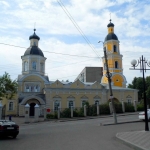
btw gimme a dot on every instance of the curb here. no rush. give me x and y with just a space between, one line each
121 123
131 145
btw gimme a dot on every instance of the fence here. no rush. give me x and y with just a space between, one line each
90 110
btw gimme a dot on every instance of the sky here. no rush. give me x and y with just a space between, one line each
73 27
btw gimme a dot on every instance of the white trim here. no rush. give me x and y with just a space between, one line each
32 97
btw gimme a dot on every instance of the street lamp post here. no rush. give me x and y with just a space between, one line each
142 68
108 75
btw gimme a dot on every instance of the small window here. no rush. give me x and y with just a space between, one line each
10 105
56 105
34 65
115 50
27 88
83 103
42 67
70 104
34 43
116 64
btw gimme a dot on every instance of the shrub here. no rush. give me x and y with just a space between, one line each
66 113
104 109
91 110
51 116
118 107
140 107
129 107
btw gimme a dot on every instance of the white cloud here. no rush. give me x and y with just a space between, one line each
18 18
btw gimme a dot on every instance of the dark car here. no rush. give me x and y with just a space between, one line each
8 128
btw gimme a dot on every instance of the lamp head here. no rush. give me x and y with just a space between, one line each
133 62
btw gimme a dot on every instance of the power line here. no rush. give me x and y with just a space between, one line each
52 52
76 26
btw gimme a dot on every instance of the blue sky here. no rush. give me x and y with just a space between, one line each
58 34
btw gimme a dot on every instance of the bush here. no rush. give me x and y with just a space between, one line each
66 113
129 107
51 116
92 110
104 109
118 107
140 107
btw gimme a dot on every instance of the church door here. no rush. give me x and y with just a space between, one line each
32 109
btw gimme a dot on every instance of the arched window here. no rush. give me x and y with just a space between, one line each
10 105
25 66
116 64
115 49
34 65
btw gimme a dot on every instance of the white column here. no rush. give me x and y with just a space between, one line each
71 111
123 107
36 113
84 110
58 113
26 113
1 106
97 109
135 107
110 107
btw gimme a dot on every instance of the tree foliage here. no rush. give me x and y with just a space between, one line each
8 87
137 83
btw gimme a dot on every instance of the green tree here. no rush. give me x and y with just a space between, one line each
8 87
137 83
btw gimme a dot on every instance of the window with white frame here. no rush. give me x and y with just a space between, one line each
25 66
129 99
56 105
115 49
70 104
83 103
32 87
116 64
34 65
97 102
11 105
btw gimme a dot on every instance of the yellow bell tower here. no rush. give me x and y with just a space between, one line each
111 44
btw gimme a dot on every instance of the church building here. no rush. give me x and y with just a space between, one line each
36 88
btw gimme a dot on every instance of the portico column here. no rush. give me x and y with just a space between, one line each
36 117
27 107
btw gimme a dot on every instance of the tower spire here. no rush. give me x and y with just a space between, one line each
110 17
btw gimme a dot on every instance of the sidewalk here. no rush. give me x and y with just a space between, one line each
21 120
139 140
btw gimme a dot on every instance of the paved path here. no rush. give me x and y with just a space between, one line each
139 140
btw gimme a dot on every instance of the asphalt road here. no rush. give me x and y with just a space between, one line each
72 135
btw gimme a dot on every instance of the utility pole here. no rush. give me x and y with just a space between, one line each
108 75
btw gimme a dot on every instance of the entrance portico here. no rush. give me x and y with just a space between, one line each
32 101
